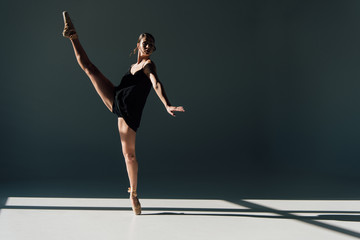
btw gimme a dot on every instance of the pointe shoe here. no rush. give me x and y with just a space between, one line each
69 29
136 207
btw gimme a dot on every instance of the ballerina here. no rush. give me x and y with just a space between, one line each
128 99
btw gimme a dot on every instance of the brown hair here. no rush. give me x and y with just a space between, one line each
141 37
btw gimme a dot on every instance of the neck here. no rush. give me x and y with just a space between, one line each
141 57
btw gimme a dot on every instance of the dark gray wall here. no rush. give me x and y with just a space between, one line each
269 86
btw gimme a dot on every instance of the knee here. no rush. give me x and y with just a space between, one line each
130 157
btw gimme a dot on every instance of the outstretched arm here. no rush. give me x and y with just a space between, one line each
150 71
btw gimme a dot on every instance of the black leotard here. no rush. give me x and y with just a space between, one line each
130 97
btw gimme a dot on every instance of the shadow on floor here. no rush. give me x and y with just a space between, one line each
232 189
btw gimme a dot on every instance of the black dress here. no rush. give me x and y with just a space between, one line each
130 97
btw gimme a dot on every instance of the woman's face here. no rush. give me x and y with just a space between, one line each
146 46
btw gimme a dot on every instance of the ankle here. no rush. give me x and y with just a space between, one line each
132 190
73 37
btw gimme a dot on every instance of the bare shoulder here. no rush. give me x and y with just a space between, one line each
149 67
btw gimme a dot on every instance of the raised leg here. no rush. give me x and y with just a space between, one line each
102 85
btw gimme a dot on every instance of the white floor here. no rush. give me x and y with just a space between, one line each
25 218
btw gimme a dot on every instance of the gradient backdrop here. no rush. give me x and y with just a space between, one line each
269 88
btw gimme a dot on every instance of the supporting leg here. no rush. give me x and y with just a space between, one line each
128 137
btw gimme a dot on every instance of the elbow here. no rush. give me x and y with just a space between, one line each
156 86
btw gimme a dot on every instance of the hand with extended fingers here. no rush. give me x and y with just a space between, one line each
172 109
